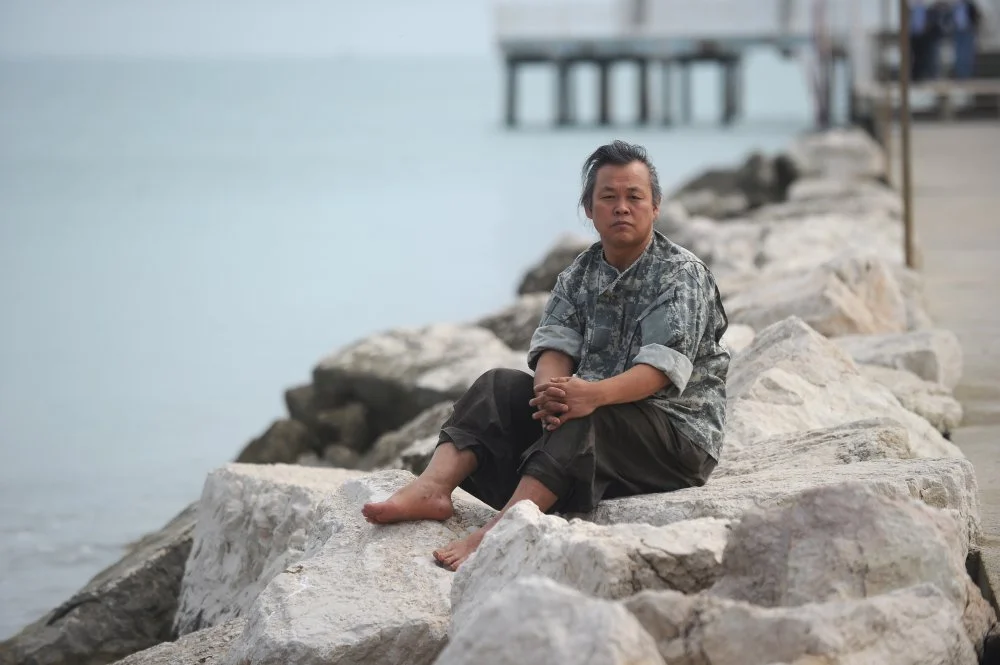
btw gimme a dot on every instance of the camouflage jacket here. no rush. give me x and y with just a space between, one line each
665 311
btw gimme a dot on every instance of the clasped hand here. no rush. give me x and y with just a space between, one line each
563 398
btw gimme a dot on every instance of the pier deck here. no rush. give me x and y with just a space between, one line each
955 174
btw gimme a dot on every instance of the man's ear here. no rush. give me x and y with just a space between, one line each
589 211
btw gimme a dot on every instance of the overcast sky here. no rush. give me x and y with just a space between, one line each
198 28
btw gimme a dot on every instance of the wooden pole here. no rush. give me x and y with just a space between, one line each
904 129
886 103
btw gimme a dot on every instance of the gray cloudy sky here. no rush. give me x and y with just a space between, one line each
179 28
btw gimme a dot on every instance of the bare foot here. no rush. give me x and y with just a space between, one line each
420 500
452 555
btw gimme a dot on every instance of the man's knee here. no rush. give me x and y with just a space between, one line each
503 379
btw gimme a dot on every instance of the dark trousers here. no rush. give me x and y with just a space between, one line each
619 450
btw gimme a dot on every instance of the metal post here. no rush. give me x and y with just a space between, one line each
904 129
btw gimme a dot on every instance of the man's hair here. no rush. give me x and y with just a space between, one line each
619 153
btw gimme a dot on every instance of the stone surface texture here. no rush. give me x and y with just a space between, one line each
610 562
846 296
361 593
535 621
929 400
905 627
253 522
941 483
792 379
933 355
402 372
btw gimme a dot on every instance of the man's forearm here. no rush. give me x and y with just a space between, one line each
637 383
552 364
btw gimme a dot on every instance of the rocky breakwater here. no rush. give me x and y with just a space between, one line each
836 528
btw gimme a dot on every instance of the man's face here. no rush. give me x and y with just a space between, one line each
622 208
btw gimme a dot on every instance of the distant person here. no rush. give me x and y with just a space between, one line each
965 21
925 37
629 388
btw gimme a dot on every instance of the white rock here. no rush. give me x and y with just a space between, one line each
859 441
807 238
843 542
834 191
840 154
848 295
609 562
929 400
913 625
252 522
535 621
933 355
361 593
791 379
416 456
942 483
400 373
738 337
516 324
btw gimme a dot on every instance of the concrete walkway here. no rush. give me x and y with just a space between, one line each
956 178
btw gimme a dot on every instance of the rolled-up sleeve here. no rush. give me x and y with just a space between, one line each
673 329
559 330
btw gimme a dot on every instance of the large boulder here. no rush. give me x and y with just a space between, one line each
942 483
838 154
125 608
912 625
391 445
859 441
933 355
542 276
931 401
792 379
361 593
849 295
847 541
516 324
609 562
721 193
205 647
400 373
738 337
283 442
253 522
535 621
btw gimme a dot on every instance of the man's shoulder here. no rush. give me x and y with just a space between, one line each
670 259
579 266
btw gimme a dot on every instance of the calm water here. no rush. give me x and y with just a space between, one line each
180 241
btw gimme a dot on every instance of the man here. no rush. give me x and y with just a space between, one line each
629 387
965 21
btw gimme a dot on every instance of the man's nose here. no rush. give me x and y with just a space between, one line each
620 207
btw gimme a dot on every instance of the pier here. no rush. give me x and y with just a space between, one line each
665 39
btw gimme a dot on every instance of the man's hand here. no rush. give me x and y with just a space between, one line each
563 398
549 405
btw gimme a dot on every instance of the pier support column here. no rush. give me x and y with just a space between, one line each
511 98
643 105
666 93
604 93
565 94
729 85
686 102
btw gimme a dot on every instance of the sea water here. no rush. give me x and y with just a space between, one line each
180 241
